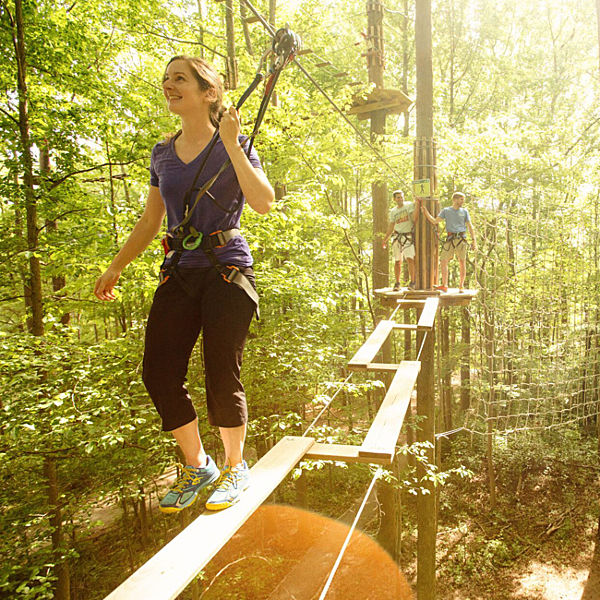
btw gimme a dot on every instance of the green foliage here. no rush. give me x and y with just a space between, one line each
516 128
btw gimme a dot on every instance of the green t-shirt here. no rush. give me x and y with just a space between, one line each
402 217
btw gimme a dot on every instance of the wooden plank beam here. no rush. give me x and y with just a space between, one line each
410 301
384 367
427 318
406 326
341 452
171 569
381 438
367 352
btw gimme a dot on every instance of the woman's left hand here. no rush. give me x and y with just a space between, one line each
229 127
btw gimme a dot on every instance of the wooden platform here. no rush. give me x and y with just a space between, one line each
390 100
453 297
171 569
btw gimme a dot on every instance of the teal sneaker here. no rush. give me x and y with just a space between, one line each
233 481
185 490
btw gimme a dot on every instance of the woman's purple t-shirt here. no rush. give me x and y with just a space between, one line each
173 178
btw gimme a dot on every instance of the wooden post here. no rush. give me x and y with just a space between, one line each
232 76
378 188
465 365
446 377
446 370
426 504
426 275
426 236
425 150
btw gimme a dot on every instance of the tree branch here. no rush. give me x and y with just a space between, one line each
56 182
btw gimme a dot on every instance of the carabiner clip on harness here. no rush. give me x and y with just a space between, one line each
183 236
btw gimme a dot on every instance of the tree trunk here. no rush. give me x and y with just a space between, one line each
272 20
598 24
491 411
379 193
232 75
389 528
592 586
247 39
202 15
61 569
35 277
58 281
406 51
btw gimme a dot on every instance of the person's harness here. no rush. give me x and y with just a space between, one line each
454 240
404 238
184 236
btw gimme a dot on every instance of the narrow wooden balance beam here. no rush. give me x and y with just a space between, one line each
379 444
363 359
427 318
381 439
173 567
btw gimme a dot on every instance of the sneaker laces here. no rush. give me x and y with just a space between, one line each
186 478
228 475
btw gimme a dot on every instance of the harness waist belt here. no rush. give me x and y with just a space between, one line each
403 237
218 239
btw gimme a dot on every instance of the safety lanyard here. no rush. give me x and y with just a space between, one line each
284 46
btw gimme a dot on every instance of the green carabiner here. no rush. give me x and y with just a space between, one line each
192 240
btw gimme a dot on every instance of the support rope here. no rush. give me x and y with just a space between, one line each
340 388
376 476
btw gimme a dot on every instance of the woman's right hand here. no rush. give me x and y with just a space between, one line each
103 290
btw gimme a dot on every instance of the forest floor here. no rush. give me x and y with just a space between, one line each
537 543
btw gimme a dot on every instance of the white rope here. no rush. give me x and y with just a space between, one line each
347 540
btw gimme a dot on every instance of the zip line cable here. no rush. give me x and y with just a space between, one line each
269 29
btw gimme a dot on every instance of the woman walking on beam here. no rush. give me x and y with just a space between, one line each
206 267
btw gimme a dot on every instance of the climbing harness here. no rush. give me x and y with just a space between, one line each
453 240
404 239
183 236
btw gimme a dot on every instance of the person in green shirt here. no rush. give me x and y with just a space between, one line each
401 228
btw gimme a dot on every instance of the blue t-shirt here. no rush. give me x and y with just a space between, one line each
173 178
456 220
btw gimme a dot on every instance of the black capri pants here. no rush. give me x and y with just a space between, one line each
192 301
